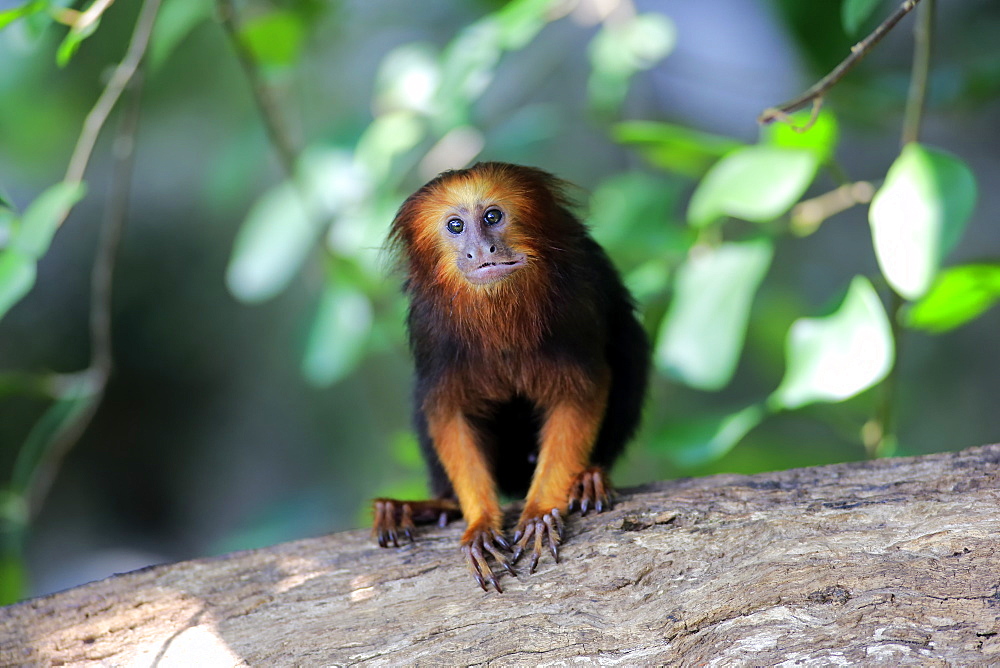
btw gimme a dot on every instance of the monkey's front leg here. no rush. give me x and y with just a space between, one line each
471 478
567 439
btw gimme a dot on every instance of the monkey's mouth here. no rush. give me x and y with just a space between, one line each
489 272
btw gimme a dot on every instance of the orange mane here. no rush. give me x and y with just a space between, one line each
513 312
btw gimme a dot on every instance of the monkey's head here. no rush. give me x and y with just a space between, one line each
483 226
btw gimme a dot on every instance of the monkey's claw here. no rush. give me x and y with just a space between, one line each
476 544
398 519
591 489
540 530
392 518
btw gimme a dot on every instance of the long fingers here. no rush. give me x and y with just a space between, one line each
386 527
591 489
475 549
539 532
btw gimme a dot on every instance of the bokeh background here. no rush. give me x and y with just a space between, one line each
261 384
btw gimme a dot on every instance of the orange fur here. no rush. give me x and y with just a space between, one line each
455 444
504 322
531 365
510 314
567 439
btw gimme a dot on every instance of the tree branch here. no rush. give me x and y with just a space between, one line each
883 441
884 562
101 279
262 93
923 35
808 215
112 91
814 95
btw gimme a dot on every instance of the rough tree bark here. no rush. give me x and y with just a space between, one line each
891 562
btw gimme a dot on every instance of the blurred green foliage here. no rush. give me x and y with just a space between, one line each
700 223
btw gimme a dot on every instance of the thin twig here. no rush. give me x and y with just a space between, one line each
263 95
858 51
101 279
917 95
112 91
91 14
885 412
42 386
102 276
808 215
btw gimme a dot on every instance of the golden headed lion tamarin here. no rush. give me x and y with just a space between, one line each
531 366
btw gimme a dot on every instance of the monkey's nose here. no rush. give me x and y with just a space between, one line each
482 253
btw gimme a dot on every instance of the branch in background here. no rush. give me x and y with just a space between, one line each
809 214
814 95
101 280
112 91
42 386
917 94
263 95
885 413
90 15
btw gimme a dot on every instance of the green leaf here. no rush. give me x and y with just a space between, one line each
74 38
408 78
271 245
76 398
9 226
469 62
17 276
339 334
175 21
918 215
13 579
958 295
385 139
621 49
702 334
406 451
631 210
839 356
755 183
521 20
648 280
820 138
697 441
274 39
853 13
8 16
42 217
14 520
674 147
467 67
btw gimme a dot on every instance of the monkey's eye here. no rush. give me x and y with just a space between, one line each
492 216
455 225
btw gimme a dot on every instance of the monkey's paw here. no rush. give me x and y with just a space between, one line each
395 518
476 543
591 489
391 518
539 529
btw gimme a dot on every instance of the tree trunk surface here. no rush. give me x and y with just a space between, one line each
888 562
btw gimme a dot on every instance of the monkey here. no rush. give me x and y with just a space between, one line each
531 364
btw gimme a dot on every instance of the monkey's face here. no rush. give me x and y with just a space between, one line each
477 237
487 226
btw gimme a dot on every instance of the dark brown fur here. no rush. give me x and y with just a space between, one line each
530 383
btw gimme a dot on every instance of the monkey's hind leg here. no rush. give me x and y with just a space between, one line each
591 489
394 518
